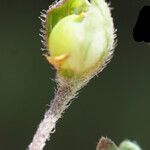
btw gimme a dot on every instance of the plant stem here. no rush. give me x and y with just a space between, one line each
65 92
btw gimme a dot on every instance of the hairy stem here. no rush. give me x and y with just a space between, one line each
65 92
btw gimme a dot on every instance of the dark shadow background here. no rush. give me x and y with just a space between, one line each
117 104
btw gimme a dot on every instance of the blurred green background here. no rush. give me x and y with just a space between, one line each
116 104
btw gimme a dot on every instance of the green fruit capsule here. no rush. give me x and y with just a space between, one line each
80 36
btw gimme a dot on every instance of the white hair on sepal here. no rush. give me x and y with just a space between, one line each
56 4
43 19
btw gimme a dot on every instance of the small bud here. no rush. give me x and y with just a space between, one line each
106 144
128 145
79 36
